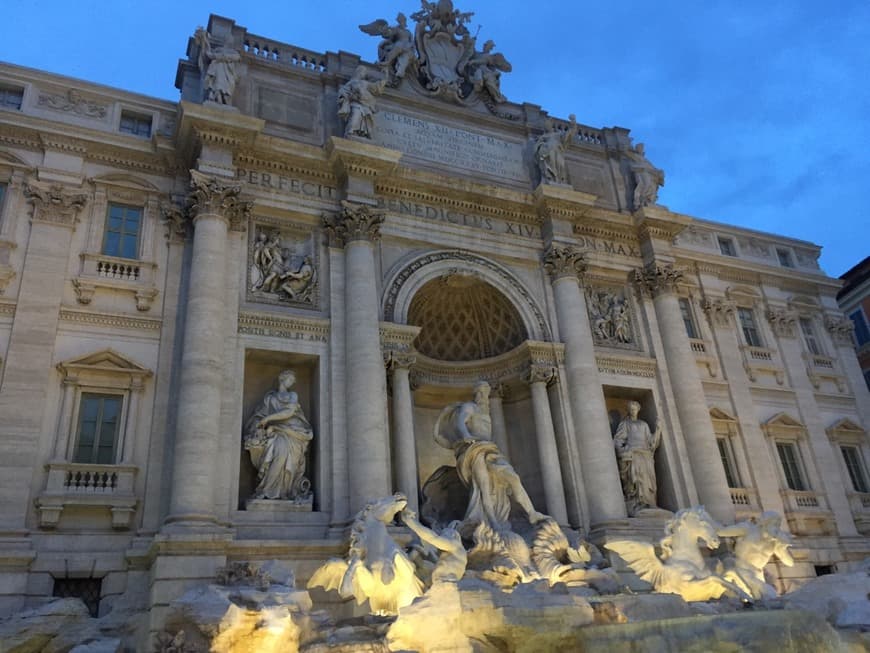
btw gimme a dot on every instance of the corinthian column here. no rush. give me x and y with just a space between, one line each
399 364
538 377
214 205
660 281
597 457
357 228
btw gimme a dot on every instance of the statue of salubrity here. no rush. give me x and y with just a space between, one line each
277 437
635 447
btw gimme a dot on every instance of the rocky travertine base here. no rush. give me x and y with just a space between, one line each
831 613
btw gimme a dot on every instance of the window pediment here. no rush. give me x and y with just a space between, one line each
105 364
743 295
845 430
783 425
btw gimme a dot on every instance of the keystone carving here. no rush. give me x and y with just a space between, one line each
564 261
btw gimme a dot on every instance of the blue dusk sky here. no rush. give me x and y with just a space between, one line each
758 111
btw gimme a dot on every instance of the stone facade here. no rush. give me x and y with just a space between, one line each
162 263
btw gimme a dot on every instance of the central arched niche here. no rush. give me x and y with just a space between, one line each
463 318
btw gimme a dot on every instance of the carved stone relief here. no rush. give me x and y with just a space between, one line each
610 317
782 322
282 267
72 102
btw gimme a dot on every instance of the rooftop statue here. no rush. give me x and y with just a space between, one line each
484 69
681 569
356 103
647 178
396 49
277 437
221 73
550 152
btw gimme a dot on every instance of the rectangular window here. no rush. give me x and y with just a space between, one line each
862 333
810 336
135 124
726 246
99 419
727 457
784 257
750 330
11 97
788 456
686 312
122 231
855 466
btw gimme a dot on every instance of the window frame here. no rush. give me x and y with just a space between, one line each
94 457
729 461
755 327
122 234
688 315
784 257
860 465
727 246
799 467
810 336
6 88
138 120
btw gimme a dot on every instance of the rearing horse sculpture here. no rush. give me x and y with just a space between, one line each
681 569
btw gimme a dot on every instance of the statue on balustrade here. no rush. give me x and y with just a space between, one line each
550 152
635 450
277 436
647 178
356 104
221 73
396 49
757 540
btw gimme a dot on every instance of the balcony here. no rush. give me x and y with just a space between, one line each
88 486
745 502
758 361
704 356
859 502
116 274
824 368
807 513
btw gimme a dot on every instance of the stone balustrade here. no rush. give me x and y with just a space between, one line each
112 273
290 55
807 512
89 486
703 355
761 360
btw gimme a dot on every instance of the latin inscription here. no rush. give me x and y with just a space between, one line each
456 148
442 214
287 185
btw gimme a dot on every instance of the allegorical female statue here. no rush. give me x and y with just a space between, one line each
277 437
635 450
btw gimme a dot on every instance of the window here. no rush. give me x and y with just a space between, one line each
122 231
862 333
784 257
727 457
810 336
99 419
11 97
686 312
750 330
855 467
135 125
791 466
726 246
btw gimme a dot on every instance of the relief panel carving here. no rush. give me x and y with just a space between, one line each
282 267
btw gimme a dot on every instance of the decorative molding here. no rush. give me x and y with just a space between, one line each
841 329
55 204
7 308
395 359
354 222
176 220
611 317
110 320
782 322
626 366
283 268
656 279
72 102
398 337
291 328
562 261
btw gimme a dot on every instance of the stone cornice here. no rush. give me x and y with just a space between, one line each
554 201
305 165
657 279
399 359
202 124
55 204
657 223
351 158
742 271
562 261
293 328
398 337
354 222
110 320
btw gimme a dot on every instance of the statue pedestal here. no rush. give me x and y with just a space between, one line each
279 507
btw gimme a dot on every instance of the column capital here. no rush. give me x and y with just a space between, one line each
782 322
719 311
214 196
545 374
499 391
176 220
658 279
354 222
841 329
56 204
564 261
399 359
